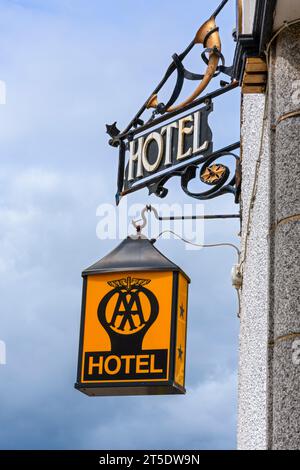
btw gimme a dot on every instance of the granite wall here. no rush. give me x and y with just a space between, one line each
269 364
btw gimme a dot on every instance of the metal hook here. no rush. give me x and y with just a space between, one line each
139 226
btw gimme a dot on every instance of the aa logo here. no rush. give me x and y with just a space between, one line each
127 312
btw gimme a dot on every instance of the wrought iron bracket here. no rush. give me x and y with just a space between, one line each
208 35
215 178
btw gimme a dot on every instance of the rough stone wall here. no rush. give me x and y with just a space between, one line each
269 368
284 366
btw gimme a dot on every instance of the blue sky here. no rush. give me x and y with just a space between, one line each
70 67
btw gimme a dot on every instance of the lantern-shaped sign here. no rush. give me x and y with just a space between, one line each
133 323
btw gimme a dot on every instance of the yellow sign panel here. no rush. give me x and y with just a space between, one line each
133 332
181 330
127 330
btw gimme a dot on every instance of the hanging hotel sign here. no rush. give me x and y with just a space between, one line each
134 304
176 139
133 325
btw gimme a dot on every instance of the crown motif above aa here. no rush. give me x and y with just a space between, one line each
129 283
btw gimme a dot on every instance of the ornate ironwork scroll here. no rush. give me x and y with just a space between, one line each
221 178
214 174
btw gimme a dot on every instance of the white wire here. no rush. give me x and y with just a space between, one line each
239 302
211 245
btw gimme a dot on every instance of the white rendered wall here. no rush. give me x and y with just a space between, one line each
252 406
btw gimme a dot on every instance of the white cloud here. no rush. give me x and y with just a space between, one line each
202 419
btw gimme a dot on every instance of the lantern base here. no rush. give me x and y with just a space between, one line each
94 390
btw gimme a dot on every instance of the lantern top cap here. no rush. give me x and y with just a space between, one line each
133 254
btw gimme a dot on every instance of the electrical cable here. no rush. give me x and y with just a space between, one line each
211 245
